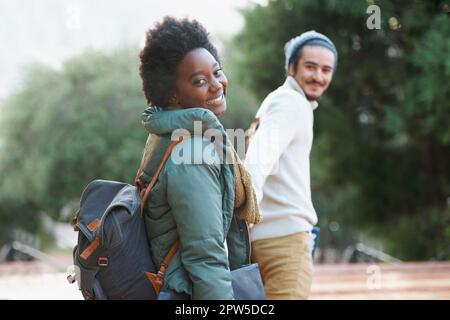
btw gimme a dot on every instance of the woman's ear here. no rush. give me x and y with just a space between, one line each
173 100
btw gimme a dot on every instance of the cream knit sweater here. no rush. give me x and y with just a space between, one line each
278 161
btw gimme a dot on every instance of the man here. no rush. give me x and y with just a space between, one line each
278 160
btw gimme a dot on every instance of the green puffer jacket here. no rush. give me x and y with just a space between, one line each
192 202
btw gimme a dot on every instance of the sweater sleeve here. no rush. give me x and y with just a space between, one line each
194 195
280 124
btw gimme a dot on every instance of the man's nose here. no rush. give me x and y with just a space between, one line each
318 76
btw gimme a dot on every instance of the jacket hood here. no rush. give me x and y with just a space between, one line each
159 121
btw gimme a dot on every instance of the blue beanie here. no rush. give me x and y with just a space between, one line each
293 46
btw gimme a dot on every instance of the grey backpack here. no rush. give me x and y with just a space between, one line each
112 257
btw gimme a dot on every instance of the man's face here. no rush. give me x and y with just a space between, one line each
314 70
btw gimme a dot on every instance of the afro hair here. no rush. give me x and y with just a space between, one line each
165 47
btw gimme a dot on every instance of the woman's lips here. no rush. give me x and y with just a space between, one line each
216 101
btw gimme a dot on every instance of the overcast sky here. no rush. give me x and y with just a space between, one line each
51 31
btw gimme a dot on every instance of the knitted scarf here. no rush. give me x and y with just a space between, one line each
245 204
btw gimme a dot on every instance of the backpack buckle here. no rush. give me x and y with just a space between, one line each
102 261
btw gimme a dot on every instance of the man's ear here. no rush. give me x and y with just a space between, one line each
291 71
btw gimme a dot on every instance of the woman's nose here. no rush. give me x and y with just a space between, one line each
215 85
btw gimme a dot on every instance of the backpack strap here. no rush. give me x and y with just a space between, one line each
157 280
145 191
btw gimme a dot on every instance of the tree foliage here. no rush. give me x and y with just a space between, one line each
64 128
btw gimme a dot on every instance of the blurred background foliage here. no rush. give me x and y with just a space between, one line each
65 128
380 160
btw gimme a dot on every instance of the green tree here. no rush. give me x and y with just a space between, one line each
65 128
380 159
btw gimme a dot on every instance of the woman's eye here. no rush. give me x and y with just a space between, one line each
218 72
199 82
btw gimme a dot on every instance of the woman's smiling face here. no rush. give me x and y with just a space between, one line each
200 83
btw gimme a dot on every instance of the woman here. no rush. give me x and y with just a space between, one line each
206 206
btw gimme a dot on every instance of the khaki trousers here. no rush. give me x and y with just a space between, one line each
286 265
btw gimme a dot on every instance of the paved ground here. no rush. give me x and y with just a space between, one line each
38 280
422 280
